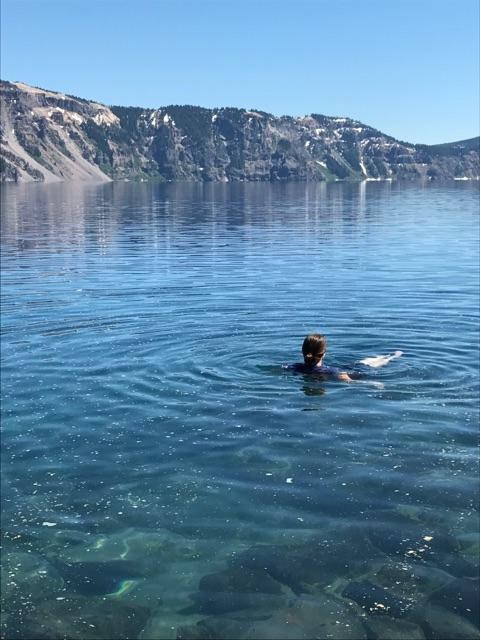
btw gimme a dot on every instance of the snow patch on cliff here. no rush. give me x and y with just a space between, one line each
106 117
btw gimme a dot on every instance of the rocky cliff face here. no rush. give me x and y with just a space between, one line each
48 136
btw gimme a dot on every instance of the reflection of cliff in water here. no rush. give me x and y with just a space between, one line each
69 216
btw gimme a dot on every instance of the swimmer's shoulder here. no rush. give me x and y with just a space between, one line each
298 367
324 370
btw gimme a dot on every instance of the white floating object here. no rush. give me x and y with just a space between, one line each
427 538
289 480
49 524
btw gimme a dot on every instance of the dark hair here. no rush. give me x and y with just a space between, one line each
313 349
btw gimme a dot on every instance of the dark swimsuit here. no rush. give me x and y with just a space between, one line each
323 370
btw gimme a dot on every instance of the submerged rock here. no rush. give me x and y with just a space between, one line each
215 628
405 537
409 581
462 596
241 579
304 618
237 588
26 579
470 546
445 625
418 544
385 628
81 618
375 599
316 563
96 578
319 617
149 552
215 603
29 577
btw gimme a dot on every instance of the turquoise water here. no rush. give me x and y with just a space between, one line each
164 477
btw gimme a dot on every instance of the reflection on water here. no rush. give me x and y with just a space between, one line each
81 215
163 476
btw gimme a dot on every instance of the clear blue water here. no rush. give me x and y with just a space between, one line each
164 477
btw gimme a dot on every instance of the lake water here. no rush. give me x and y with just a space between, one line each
164 477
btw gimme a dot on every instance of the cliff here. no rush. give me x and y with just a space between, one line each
49 136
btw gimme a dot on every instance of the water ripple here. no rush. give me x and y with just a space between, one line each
147 416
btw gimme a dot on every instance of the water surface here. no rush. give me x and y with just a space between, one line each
163 476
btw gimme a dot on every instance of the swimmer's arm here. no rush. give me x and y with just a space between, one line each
344 377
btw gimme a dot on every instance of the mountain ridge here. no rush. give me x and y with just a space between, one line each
50 136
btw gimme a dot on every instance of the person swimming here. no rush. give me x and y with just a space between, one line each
314 348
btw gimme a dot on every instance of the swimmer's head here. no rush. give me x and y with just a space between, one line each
313 349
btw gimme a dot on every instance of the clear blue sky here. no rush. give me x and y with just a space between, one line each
407 67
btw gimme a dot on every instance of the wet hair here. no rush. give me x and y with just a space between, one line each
313 349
